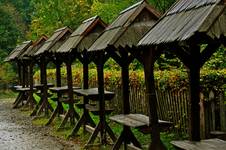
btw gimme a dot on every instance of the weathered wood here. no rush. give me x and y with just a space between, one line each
222 111
92 94
210 144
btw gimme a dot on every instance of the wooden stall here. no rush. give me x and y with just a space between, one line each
116 41
45 54
28 56
193 30
76 47
22 66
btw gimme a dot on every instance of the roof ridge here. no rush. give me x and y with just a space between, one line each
90 19
133 6
60 29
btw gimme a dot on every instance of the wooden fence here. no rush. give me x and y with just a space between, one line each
173 106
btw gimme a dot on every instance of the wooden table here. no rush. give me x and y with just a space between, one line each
59 108
102 126
41 104
139 121
23 95
208 144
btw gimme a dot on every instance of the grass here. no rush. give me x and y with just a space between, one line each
6 94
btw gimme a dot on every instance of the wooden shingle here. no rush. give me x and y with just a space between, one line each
84 36
185 19
55 41
128 28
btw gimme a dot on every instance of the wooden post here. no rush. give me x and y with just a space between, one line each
100 74
19 73
45 88
202 116
58 74
125 84
194 85
31 99
23 75
85 86
149 60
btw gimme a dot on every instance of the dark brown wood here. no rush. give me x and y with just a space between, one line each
31 100
149 58
194 76
71 112
102 126
19 69
43 105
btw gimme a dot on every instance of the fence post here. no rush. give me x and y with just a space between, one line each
202 117
222 111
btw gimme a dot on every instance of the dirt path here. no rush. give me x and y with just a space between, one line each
17 132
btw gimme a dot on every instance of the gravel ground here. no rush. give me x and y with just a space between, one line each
17 132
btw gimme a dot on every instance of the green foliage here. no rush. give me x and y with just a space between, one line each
217 61
8 30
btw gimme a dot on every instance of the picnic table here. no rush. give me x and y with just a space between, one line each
59 108
208 144
93 94
23 95
38 108
138 121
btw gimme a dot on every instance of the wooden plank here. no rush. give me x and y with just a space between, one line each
210 144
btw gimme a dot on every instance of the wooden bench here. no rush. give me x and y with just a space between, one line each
209 144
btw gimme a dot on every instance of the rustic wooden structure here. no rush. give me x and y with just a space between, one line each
183 29
28 56
123 34
22 65
45 54
76 46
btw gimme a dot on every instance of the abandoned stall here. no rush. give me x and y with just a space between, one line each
45 54
183 30
117 40
22 66
76 47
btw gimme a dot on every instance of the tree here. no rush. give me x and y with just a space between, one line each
8 30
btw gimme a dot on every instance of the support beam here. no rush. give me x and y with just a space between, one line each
149 58
194 85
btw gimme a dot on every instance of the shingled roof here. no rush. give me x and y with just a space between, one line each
84 36
55 41
186 18
20 49
128 28
34 47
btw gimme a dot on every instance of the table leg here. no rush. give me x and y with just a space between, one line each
20 99
58 111
71 114
84 120
106 129
17 101
34 112
127 137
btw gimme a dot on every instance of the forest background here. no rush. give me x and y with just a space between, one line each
22 20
